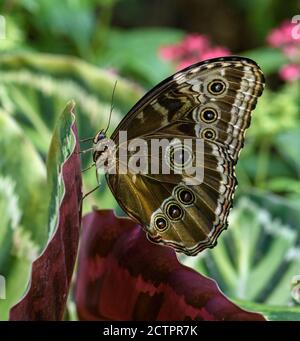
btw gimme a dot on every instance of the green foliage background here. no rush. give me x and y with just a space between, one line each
55 51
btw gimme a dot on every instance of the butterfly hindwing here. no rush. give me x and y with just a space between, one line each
203 218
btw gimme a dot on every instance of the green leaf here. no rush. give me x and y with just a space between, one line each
290 139
276 113
272 313
283 184
62 146
52 271
36 87
270 60
95 80
140 53
280 208
10 219
21 163
256 258
23 209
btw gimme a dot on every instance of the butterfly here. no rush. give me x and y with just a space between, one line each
209 101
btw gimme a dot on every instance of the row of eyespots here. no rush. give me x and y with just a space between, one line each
174 211
186 197
209 114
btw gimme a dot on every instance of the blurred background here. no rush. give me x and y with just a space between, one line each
54 51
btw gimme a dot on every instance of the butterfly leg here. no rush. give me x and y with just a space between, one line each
97 177
89 167
90 192
98 181
85 151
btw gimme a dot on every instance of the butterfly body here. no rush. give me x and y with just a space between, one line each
210 102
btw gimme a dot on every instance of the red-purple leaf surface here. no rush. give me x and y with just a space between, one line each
51 273
122 276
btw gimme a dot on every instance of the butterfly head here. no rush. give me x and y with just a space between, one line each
100 146
99 136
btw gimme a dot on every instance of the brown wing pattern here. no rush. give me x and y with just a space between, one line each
211 101
146 197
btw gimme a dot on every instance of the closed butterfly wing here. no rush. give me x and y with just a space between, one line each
211 102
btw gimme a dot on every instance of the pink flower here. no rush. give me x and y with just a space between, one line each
282 35
195 42
192 49
171 52
291 51
215 52
282 38
290 72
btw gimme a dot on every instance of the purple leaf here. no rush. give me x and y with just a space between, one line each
122 276
51 273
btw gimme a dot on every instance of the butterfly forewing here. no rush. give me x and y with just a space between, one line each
210 101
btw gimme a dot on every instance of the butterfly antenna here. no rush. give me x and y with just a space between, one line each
111 106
